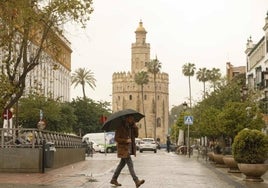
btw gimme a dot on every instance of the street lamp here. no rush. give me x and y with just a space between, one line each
244 93
184 105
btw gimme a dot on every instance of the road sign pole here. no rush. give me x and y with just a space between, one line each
188 120
188 140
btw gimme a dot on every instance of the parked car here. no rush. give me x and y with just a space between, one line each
96 147
137 142
148 144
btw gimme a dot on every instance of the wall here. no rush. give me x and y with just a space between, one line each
30 159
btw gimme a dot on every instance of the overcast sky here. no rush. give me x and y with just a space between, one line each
208 33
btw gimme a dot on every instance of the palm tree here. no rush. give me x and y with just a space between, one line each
188 69
214 77
142 78
154 67
83 76
202 75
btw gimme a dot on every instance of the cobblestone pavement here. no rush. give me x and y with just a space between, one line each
160 170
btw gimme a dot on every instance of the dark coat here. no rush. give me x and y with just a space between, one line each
124 132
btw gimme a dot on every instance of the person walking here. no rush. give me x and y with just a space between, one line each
168 144
125 138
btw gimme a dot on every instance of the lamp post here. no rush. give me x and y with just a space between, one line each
184 106
244 93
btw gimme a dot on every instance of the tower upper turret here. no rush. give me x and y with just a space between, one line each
140 51
140 34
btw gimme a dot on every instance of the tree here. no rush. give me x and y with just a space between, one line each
28 31
154 67
221 115
57 116
235 116
83 76
214 77
188 69
88 113
142 78
202 75
4 89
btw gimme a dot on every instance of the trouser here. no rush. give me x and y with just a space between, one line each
121 165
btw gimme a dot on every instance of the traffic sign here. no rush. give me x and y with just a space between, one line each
188 120
7 114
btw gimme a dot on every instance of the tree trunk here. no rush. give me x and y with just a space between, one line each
145 128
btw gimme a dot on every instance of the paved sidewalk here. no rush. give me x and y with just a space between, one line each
71 176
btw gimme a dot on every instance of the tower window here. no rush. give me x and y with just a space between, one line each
158 122
145 97
130 97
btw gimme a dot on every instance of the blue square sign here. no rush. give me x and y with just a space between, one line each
188 120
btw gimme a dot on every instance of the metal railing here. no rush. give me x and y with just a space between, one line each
23 137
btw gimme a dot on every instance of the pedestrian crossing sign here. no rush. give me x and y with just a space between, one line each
188 120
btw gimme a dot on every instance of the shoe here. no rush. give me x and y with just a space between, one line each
114 182
139 183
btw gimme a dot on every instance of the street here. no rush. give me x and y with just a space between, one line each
166 170
160 170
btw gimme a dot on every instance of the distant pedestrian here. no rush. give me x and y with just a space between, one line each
168 144
125 137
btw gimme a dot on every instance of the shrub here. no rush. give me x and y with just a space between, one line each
250 146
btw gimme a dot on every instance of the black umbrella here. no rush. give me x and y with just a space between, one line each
116 118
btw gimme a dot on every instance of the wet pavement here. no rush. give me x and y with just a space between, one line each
160 170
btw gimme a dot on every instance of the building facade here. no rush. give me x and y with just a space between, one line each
127 93
257 62
52 77
257 67
232 71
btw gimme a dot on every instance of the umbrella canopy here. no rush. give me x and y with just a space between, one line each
115 119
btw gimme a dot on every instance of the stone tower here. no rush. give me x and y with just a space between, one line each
127 93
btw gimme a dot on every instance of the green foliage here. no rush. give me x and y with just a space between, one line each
58 116
188 69
236 116
223 114
250 146
206 121
4 88
81 116
88 115
83 77
142 78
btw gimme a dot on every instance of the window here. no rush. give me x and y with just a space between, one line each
258 76
267 44
130 97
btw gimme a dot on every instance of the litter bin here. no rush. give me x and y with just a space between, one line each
49 154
